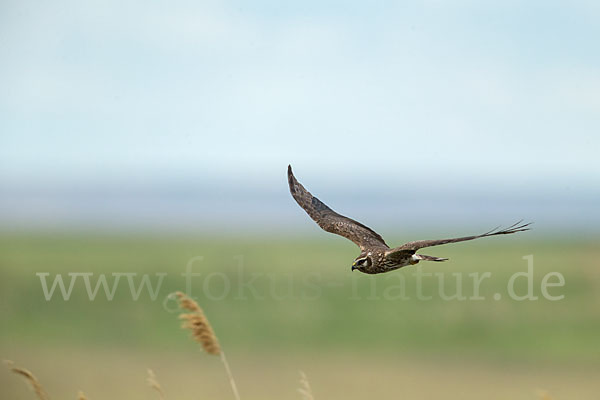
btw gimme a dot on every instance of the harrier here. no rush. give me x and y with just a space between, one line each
375 256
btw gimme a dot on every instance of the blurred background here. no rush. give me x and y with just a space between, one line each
136 136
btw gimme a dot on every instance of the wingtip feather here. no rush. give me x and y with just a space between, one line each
291 179
514 228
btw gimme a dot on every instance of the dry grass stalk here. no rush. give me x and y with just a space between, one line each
203 333
153 382
29 377
81 396
197 322
305 389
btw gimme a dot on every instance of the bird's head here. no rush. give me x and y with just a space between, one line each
362 262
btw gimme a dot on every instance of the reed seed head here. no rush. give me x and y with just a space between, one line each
305 389
29 377
153 383
198 324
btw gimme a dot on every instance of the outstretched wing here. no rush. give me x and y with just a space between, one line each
411 247
331 221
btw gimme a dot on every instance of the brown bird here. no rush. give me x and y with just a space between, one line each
375 256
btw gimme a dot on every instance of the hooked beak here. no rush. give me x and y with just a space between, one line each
354 266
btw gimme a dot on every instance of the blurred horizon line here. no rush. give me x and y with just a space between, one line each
261 205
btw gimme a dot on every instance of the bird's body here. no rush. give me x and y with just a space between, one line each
383 259
379 263
376 256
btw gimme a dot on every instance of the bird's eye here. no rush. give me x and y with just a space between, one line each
361 261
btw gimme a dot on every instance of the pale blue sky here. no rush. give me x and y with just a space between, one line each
453 92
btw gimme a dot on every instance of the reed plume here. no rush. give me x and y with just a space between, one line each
29 377
153 383
305 389
203 333
197 322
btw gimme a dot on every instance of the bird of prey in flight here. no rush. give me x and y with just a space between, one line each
375 256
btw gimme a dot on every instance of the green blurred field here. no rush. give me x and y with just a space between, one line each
351 333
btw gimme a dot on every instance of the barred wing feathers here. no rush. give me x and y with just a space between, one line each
331 221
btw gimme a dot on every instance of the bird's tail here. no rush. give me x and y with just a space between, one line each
427 258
